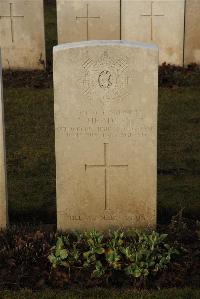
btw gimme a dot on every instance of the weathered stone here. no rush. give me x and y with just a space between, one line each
22 34
80 20
106 127
3 194
158 21
192 32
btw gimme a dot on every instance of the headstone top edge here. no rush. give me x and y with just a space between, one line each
93 43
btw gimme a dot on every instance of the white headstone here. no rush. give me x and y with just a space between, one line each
80 20
3 193
106 134
192 32
22 34
156 21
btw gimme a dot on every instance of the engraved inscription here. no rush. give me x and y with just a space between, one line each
152 15
137 218
108 124
106 166
12 17
106 78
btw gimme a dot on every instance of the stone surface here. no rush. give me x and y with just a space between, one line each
192 32
158 21
80 20
3 195
106 134
22 34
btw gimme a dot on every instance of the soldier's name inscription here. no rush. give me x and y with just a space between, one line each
107 124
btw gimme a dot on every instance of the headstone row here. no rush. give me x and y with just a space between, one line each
174 25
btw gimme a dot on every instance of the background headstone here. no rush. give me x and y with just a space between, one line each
192 32
3 193
157 21
80 20
106 134
22 34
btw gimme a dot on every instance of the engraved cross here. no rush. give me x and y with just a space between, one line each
152 16
106 166
12 18
87 18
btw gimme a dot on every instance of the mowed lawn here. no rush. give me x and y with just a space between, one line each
30 154
179 152
30 146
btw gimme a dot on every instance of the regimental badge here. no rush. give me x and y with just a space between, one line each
106 78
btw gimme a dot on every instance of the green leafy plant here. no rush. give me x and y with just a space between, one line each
91 258
59 258
147 254
136 255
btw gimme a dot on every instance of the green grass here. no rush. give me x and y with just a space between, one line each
178 151
179 122
104 294
30 153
